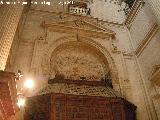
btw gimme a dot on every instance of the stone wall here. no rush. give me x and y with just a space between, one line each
141 25
37 43
145 36
107 10
148 59
155 5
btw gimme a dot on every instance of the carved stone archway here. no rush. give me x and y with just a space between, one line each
98 47
75 60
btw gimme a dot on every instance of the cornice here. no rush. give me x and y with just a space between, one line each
147 39
93 31
79 16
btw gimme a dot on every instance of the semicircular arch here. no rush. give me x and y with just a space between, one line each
90 43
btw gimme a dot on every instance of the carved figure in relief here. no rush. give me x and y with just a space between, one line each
77 61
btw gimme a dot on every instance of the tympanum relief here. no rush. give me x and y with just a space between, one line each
76 60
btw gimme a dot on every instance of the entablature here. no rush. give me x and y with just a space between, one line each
81 27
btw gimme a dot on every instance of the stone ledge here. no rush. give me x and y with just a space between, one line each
79 82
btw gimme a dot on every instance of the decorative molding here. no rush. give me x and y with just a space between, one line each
75 60
133 12
42 12
114 48
147 39
109 22
78 82
127 55
80 27
90 42
155 78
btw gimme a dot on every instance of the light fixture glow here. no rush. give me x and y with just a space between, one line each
21 102
29 83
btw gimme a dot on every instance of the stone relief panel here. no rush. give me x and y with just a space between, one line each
76 60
